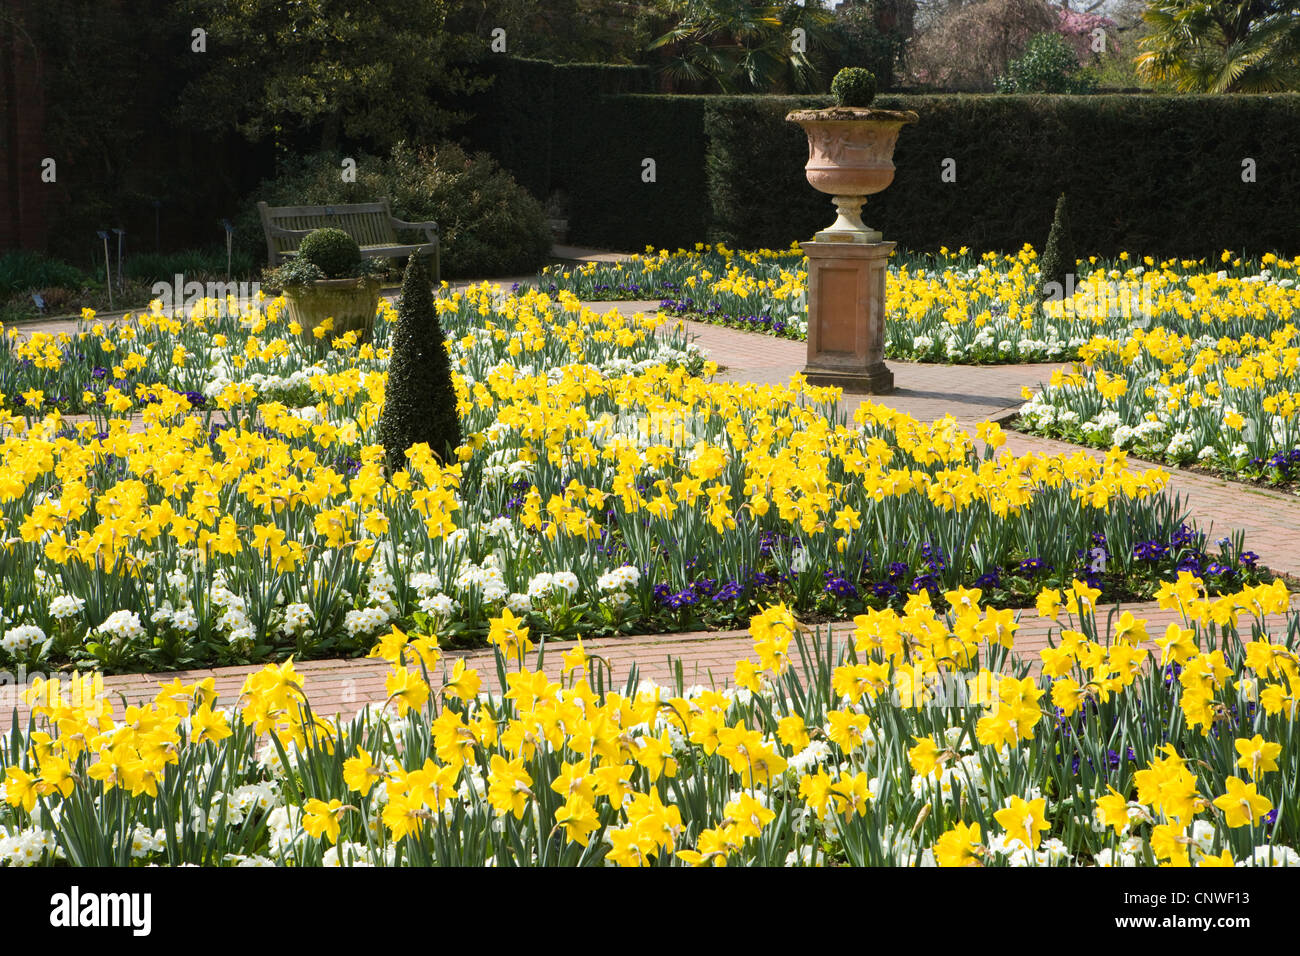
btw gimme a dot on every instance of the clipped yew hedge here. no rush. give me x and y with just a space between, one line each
1156 174
530 114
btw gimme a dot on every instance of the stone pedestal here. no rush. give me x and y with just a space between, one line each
846 316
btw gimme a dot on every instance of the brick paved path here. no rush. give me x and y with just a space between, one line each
343 687
971 394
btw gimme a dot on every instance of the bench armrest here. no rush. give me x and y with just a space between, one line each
430 229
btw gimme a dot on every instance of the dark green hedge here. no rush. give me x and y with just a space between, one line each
513 119
611 206
1160 175
527 116
1155 174
753 199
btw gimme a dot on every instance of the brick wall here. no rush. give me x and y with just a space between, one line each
23 196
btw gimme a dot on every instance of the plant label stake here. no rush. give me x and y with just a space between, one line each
121 234
108 274
230 238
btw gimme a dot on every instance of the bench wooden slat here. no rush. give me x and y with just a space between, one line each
372 225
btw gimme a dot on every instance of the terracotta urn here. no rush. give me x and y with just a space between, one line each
850 156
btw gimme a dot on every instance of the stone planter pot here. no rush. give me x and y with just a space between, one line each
850 156
352 304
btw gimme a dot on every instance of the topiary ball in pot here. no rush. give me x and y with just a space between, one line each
854 87
332 251
328 288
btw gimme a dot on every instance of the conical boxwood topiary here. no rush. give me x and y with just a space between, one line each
1058 258
420 401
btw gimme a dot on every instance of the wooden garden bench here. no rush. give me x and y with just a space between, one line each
371 224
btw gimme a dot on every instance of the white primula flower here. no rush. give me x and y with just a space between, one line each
185 620
1274 856
566 580
122 624
64 607
425 583
297 618
17 640
439 605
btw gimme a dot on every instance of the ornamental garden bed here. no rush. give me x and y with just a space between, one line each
605 485
957 307
1221 404
913 740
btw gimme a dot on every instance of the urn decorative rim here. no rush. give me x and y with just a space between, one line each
856 114
850 157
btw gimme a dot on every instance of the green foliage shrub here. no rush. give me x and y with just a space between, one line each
1048 65
488 225
1058 259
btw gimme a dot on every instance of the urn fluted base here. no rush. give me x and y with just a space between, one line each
848 225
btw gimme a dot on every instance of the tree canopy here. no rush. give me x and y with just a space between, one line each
1209 46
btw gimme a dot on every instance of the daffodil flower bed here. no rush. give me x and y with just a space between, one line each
953 307
107 368
1226 404
916 738
603 488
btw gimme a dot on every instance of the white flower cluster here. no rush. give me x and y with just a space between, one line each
1052 852
546 583
817 752
17 640
1180 444
284 828
616 582
486 579
348 853
65 607
425 582
242 802
380 588
503 463
440 606
146 842
297 619
27 847
365 621
432 601
1278 855
182 619
1000 334
225 375
123 625
1105 422
234 617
